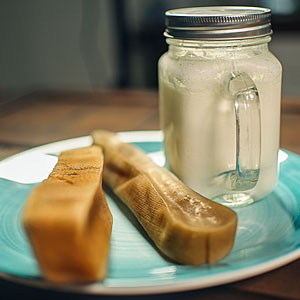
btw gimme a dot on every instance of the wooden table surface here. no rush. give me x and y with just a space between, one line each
41 118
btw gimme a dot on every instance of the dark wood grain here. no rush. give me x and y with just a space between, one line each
290 124
46 117
43 118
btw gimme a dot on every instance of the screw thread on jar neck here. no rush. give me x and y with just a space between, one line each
217 44
237 49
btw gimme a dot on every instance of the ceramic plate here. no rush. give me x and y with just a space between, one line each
268 234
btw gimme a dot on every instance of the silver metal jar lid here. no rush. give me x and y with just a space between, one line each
218 23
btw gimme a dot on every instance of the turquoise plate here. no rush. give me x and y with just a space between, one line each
268 234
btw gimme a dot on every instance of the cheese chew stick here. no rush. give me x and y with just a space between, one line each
67 219
185 226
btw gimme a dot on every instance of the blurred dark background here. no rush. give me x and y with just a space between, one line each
81 45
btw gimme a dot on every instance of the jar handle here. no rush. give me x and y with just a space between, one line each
248 132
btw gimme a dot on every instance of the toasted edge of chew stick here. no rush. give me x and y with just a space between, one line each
68 221
185 226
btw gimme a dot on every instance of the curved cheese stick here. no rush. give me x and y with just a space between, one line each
67 219
184 225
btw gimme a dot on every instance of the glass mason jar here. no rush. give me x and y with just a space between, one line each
220 93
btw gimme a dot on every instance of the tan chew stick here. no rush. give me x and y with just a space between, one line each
68 221
185 226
